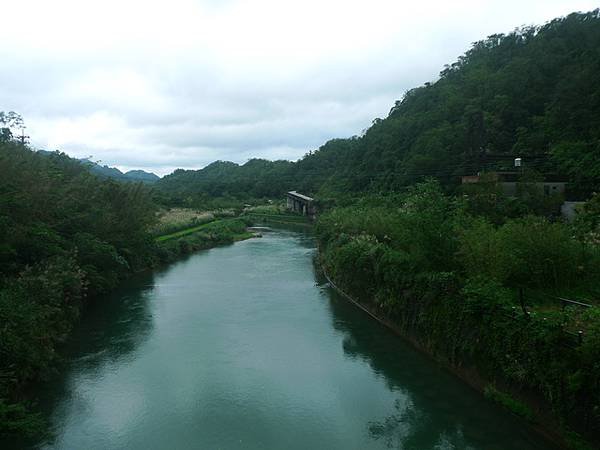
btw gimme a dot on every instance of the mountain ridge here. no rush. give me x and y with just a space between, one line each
112 172
533 93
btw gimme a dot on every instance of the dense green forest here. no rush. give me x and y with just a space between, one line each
533 93
225 183
472 274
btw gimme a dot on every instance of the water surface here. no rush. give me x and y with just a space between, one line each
241 347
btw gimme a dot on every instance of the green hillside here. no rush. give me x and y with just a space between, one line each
532 93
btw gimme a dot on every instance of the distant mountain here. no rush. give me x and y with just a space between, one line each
141 175
113 172
103 171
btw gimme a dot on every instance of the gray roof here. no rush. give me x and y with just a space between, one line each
300 196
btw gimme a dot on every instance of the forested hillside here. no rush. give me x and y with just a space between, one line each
486 283
533 93
65 235
448 270
116 174
226 180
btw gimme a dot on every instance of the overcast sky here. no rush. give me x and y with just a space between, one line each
181 83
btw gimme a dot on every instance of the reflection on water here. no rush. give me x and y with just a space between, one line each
433 409
409 428
242 347
115 325
111 330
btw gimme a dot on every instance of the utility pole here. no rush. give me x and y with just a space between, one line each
22 138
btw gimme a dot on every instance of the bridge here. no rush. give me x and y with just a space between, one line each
301 203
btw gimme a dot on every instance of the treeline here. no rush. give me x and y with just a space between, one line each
64 235
451 276
533 93
225 184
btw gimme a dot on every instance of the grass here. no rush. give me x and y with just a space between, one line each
210 226
266 209
280 220
181 215
243 236
268 213
179 219
181 233
286 218
172 246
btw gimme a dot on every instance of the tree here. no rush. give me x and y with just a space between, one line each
10 121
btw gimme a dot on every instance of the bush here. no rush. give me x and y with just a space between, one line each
448 280
529 252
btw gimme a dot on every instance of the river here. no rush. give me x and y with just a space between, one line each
243 347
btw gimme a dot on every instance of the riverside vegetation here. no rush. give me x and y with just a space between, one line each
442 262
445 262
68 236
448 277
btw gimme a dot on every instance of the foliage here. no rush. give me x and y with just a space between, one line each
587 222
9 121
449 280
219 232
179 219
65 235
528 252
443 268
16 418
532 93
224 184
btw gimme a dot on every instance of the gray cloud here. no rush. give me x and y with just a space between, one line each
140 85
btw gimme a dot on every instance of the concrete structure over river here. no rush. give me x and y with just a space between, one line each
301 203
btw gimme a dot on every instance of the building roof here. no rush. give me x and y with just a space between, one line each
300 196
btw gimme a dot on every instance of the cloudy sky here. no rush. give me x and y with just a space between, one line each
181 83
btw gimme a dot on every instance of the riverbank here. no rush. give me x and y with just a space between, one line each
218 232
243 343
449 282
293 220
18 415
544 424
473 346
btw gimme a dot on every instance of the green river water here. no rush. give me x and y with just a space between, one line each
243 347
